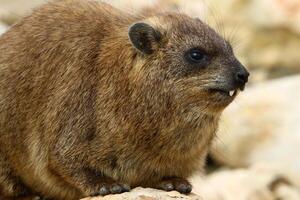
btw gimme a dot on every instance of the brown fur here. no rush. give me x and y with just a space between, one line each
80 106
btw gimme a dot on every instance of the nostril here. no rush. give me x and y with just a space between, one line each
242 76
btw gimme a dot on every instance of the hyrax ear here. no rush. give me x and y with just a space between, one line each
144 37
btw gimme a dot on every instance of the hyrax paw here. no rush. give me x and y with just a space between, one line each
178 184
111 188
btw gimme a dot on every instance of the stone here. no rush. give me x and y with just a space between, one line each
276 13
13 10
254 183
262 126
147 194
3 28
132 6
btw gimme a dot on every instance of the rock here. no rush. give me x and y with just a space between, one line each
275 38
262 126
276 13
194 8
147 194
3 28
255 183
132 6
13 10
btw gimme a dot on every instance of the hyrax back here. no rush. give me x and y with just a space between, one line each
95 101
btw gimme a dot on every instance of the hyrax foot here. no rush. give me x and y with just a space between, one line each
111 188
10 184
178 184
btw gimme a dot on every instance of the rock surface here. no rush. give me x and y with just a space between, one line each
13 10
262 126
256 183
3 28
276 13
147 194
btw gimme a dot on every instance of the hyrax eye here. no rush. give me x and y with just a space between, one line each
196 56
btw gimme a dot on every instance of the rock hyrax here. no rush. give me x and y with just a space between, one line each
94 101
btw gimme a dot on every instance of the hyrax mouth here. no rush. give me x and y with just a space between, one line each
226 93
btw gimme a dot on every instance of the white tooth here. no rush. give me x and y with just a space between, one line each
231 93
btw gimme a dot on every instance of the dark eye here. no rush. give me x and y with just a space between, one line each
196 56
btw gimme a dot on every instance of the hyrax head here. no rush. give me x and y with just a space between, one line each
197 65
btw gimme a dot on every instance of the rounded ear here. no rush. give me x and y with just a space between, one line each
144 37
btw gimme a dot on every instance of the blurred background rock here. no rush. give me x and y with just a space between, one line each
255 155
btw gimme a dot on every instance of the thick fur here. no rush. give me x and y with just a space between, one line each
79 104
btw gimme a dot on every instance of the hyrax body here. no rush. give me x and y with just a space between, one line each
94 100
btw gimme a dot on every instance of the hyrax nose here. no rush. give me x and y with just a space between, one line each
241 76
